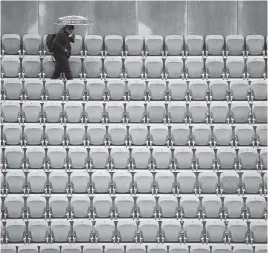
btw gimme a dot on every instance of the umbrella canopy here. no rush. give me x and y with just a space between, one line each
72 20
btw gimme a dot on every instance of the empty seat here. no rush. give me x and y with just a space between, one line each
75 134
58 181
37 180
135 111
58 205
27 249
78 157
186 181
124 205
12 88
221 248
256 67
215 67
102 205
177 89
114 45
33 88
116 89
174 45
154 45
75 89
248 157
15 180
93 67
33 134
199 248
11 43
256 206
82 229
218 89
234 44
208 182
49 249
259 230
71 249
96 134
10 66
127 230
183 157
138 134
259 110
57 156
168 205
115 111
122 180
223 134
15 230
93 44
177 111
120 157
212 206
194 67
244 134
205 157
194 44
31 111
73 111
180 134
157 89
215 44
134 45
233 206
135 248
54 134
35 157
113 67
105 229
95 89
134 67
261 248
162 157
193 230
75 66
77 47
226 157
31 66
99 157
263 157
159 134
48 66
54 89
52 112
178 248
101 181
153 67
240 111
60 230
215 230
174 67
141 157
14 157
14 205
198 89
149 229
259 89
114 248
242 248
94 111
189 205
262 134
117 134
198 111
146 204
255 44
235 67
80 206
201 134
80 181
238 230
239 89
229 181
156 111
136 89
36 205
171 229
143 180
38 230
12 134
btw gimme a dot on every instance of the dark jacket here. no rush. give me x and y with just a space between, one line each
61 42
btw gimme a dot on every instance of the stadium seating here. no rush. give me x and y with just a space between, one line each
158 145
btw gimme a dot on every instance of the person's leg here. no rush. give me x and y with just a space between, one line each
58 69
66 68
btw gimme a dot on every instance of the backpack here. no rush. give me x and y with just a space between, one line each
49 42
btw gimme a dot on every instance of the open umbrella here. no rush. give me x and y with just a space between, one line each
73 20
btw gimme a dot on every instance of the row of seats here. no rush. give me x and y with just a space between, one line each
125 206
119 134
141 182
136 248
135 67
116 89
137 45
237 231
134 112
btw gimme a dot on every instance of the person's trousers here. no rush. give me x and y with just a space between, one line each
62 66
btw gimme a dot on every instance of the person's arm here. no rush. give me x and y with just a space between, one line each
58 42
72 38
